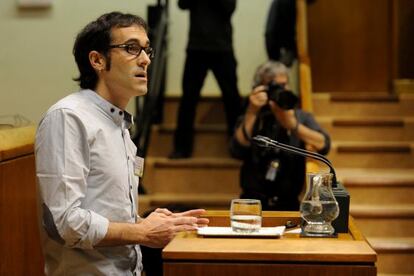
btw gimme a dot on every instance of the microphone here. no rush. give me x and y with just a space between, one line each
266 142
341 194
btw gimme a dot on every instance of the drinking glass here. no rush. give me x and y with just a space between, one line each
246 215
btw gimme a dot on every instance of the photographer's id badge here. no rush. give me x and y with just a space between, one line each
272 170
139 166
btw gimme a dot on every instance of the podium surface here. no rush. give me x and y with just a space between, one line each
190 254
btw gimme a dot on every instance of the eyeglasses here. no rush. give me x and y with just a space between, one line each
135 49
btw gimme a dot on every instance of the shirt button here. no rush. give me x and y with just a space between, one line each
120 113
112 110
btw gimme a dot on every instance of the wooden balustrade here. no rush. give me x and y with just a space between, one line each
305 79
20 249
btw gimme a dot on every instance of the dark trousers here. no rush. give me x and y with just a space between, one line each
197 64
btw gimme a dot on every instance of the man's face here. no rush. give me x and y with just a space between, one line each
127 76
281 79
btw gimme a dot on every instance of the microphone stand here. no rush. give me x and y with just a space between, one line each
264 141
339 191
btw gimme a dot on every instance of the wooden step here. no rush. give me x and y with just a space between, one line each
213 201
192 175
372 154
378 186
210 110
384 128
395 255
372 147
401 86
378 106
383 211
392 274
209 141
144 204
363 97
384 220
212 141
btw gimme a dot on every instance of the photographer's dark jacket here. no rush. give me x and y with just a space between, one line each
282 192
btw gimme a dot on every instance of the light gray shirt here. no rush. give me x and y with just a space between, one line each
85 173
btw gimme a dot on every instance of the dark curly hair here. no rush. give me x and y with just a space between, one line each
96 36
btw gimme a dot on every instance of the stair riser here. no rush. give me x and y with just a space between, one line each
189 180
324 107
396 263
220 138
353 133
385 227
193 180
372 160
146 207
213 112
208 112
381 195
205 145
213 206
216 145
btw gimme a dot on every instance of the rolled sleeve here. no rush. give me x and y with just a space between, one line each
97 230
62 166
309 121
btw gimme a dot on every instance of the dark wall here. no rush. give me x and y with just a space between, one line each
350 45
405 19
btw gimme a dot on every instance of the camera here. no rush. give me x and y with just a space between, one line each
284 98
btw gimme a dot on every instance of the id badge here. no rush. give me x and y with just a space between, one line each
139 166
272 170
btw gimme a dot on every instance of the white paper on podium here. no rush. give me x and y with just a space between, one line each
270 232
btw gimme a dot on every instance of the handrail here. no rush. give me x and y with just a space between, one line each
16 142
305 77
147 106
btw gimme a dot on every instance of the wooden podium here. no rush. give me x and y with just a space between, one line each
348 254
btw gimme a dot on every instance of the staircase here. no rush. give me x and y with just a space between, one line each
372 151
209 179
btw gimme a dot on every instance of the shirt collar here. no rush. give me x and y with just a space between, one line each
120 117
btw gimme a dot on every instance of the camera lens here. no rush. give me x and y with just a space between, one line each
284 98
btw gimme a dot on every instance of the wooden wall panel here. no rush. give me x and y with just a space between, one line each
350 45
405 50
20 249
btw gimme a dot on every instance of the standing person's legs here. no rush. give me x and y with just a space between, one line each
224 66
195 71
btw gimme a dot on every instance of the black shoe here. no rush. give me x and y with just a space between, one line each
177 154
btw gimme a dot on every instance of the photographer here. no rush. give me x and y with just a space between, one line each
275 177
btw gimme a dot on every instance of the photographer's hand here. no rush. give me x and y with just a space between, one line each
286 118
257 99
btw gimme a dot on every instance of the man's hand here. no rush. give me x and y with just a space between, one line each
285 117
162 225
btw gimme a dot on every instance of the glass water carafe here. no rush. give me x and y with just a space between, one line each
319 206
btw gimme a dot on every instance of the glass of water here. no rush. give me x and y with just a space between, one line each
246 215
